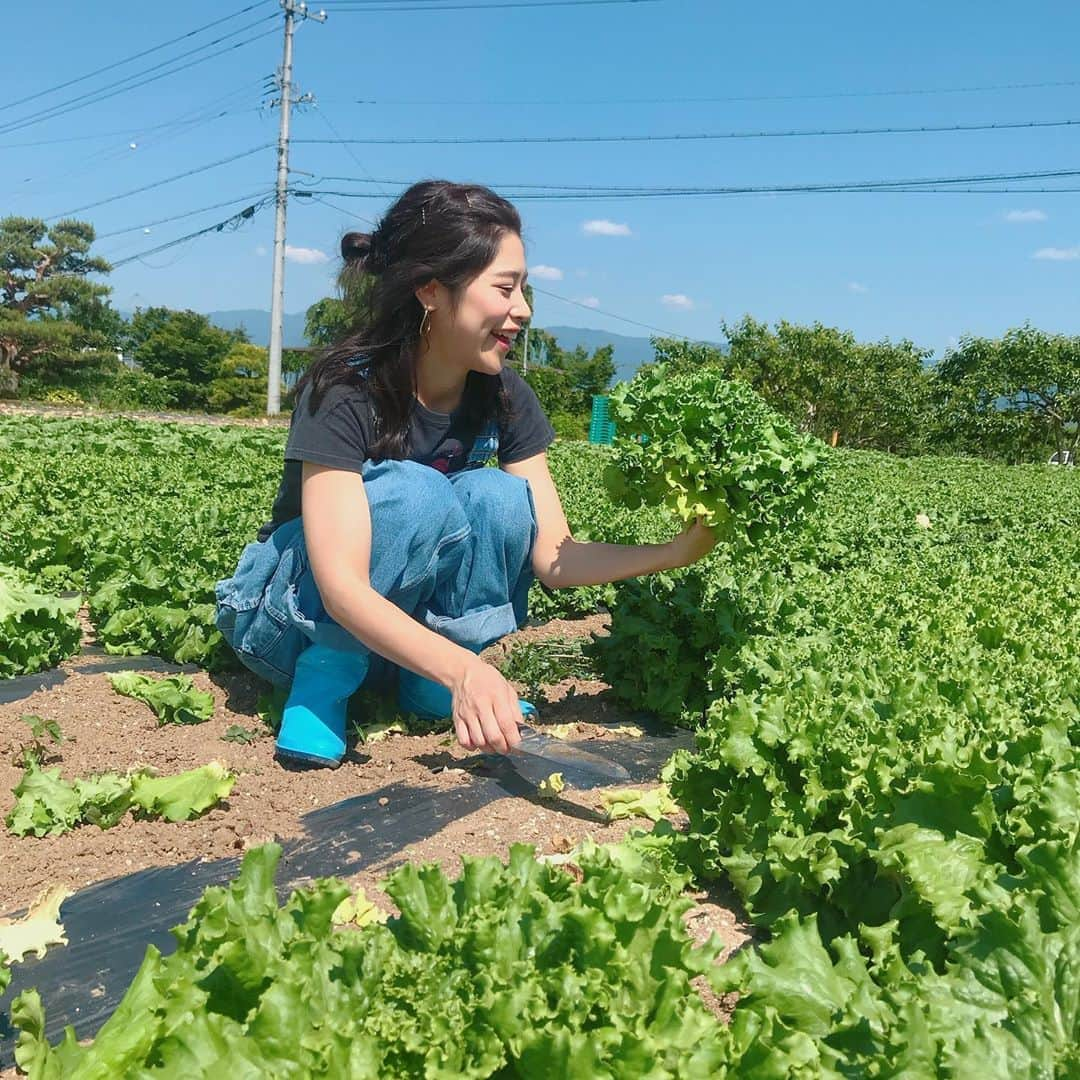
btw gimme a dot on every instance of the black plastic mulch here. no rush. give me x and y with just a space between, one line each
110 924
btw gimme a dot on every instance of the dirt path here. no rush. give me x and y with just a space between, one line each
103 730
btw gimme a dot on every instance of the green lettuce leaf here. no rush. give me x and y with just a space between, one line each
652 803
183 796
513 969
36 630
45 805
704 445
173 698
103 799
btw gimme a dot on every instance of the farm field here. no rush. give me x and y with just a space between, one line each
884 678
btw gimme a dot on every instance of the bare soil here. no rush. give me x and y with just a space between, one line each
105 731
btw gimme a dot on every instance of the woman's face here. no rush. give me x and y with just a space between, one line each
476 334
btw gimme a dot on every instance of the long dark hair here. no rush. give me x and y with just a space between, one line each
435 231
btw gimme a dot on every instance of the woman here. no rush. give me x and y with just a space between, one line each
388 538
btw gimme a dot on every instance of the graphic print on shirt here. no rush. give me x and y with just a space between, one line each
449 457
485 447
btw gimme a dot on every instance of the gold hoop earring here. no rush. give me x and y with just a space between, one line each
425 326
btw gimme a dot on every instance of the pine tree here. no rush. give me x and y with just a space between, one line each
52 316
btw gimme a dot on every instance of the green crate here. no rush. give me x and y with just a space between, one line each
601 426
602 432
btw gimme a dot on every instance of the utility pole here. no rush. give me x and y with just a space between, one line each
292 11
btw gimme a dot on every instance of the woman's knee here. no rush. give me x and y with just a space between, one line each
418 526
494 499
412 497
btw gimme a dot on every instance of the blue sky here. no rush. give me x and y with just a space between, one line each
923 266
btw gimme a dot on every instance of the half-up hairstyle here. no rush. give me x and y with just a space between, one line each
435 231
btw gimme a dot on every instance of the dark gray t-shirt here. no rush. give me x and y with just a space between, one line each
342 428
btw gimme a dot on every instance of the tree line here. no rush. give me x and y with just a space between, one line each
1013 398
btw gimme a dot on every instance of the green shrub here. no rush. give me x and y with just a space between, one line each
117 387
62 395
570 425
131 388
239 387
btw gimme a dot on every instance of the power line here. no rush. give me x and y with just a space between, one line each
74 104
985 191
833 189
133 57
162 183
612 191
191 120
126 133
727 99
909 185
355 8
607 314
178 217
733 193
334 206
337 135
118 87
489 140
187 116
234 222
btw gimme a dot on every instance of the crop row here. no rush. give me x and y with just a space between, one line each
888 765
142 519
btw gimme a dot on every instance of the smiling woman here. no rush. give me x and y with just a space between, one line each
441 267
391 552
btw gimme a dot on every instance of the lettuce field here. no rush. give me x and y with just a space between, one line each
881 664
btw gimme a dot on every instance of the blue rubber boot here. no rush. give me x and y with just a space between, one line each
313 725
432 701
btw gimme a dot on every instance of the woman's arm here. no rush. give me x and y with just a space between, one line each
337 532
560 561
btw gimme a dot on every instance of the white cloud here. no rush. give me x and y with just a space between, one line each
1058 254
1022 217
546 273
305 255
678 301
589 301
260 251
603 227
858 287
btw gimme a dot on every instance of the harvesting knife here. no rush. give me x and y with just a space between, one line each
538 755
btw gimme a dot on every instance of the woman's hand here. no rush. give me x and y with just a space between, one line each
486 712
693 543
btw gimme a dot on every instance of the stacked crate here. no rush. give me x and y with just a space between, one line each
601 426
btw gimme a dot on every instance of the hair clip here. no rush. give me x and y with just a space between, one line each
423 215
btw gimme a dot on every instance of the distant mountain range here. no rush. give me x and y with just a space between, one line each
257 325
630 352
